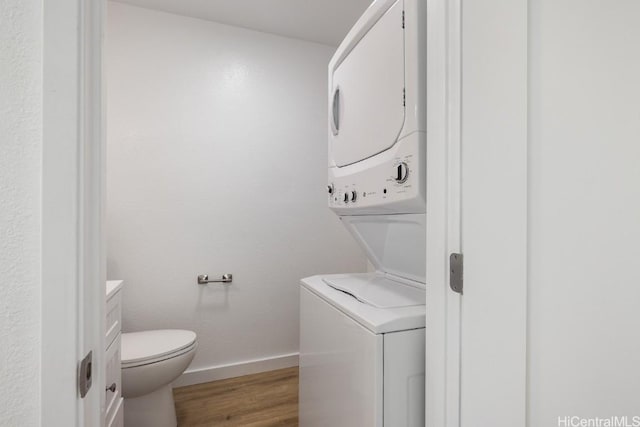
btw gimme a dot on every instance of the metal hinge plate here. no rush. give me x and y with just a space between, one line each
85 374
456 272
403 19
404 97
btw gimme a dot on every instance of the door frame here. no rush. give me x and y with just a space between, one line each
73 194
73 253
444 196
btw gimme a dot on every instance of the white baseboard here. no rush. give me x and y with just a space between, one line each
221 372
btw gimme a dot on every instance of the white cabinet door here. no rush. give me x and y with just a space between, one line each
113 378
367 92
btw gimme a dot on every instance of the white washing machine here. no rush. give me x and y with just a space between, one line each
362 352
362 340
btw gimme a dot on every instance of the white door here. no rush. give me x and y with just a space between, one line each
73 258
494 214
366 98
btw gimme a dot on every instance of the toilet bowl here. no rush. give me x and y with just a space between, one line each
151 361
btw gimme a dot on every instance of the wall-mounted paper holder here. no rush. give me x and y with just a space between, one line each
203 279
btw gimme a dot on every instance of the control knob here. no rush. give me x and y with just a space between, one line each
402 173
330 189
346 197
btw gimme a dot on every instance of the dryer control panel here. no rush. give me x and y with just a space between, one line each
390 182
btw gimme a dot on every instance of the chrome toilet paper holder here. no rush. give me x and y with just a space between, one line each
203 279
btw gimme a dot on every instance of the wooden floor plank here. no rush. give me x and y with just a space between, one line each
260 400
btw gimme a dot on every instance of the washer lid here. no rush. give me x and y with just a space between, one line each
377 291
403 305
147 346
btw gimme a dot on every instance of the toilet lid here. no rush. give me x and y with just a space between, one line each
151 346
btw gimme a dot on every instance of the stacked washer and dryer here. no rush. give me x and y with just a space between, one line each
362 336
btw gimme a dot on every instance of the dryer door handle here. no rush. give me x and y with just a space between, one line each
335 112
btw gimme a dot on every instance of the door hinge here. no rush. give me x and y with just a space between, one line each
404 97
403 19
85 374
456 269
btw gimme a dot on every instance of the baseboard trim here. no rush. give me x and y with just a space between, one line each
221 372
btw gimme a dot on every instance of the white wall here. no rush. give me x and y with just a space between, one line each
216 164
20 171
584 209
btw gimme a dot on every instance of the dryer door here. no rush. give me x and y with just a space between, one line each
366 101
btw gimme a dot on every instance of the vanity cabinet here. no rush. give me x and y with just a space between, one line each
113 377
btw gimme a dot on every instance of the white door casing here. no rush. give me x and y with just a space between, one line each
443 212
73 257
477 205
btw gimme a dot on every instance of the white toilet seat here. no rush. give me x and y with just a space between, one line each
146 347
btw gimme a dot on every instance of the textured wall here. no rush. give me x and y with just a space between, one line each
217 163
20 166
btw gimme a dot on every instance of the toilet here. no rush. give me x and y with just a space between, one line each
150 362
